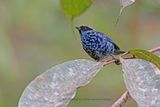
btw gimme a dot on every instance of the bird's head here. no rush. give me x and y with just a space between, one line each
83 28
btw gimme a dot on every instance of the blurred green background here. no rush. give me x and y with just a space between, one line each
36 35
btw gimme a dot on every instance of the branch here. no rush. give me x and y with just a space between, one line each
107 62
122 100
154 49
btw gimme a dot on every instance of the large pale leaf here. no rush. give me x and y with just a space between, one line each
57 86
142 81
74 8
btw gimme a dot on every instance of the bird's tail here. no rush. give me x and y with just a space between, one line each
117 52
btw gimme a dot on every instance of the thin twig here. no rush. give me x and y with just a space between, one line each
107 62
155 49
122 100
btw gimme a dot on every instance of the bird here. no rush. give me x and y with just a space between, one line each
96 44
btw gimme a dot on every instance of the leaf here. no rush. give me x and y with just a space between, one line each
143 54
124 4
73 8
142 82
57 86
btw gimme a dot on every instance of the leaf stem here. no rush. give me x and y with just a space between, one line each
122 100
73 28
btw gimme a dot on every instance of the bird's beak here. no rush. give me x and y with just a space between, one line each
78 28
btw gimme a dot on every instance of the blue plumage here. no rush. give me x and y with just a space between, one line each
97 44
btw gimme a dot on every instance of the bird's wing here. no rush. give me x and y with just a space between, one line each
105 37
116 47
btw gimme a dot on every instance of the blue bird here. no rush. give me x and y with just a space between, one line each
97 44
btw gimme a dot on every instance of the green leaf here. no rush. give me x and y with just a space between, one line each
73 8
143 54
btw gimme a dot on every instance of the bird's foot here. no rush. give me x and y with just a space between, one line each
117 61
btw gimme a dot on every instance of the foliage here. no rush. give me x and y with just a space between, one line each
146 55
74 8
142 81
57 86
